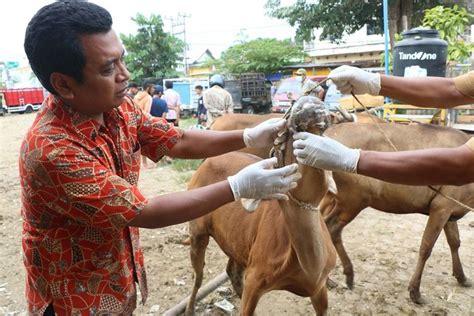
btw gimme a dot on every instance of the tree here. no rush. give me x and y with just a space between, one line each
339 17
151 53
451 24
260 55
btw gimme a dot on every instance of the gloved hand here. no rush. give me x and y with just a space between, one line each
264 133
351 79
324 153
257 181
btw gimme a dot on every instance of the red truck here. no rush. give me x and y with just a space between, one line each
25 100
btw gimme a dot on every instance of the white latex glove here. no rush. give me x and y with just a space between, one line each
264 133
257 181
352 79
324 153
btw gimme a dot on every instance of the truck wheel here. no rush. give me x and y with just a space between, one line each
29 109
250 110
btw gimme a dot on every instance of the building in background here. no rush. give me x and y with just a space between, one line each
203 66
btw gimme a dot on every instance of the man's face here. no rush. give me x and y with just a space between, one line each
198 91
105 75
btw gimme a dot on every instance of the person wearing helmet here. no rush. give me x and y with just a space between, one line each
301 74
311 88
308 86
217 100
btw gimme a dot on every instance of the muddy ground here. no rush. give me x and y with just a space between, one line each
383 248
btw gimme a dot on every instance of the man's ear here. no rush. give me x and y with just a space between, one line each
63 84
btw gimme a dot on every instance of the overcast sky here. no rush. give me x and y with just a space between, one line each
212 24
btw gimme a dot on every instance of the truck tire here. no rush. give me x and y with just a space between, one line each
29 109
250 110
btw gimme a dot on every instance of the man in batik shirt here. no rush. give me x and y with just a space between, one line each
80 162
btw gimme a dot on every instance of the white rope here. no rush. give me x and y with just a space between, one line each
303 205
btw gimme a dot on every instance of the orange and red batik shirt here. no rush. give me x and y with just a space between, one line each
78 193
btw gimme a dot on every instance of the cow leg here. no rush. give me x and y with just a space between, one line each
436 221
320 302
452 236
236 276
197 252
252 292
335 226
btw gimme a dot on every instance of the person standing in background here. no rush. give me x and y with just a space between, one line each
309 85
143 98
159 108
273 88
217 100
173 100
132 89
201 110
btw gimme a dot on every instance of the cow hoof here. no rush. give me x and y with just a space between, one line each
330 284
350 282
465 282
186 242
417 298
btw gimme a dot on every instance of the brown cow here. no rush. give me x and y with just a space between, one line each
283 245
355 193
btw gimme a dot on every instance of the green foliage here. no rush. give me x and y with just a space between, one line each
151 53
334 17
338 17
182 165
451 24
187 122
260 55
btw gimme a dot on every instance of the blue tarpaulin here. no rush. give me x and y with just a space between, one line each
274 77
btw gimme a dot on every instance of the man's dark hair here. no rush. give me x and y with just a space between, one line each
148 83
169 84
52 39
132 85
199 87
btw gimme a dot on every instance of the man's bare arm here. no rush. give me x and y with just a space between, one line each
180 207
424 91
453 166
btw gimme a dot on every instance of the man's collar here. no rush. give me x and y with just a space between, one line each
82 123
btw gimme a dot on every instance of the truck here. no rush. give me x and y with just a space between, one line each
250 92
185 88
24 100
289 91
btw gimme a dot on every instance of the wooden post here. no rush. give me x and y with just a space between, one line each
202 293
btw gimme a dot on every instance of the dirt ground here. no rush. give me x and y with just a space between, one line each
383 249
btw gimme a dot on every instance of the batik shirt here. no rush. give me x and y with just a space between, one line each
78 193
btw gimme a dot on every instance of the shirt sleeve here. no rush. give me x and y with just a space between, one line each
73 182
465 84
156 136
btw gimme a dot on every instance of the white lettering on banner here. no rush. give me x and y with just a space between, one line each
417 56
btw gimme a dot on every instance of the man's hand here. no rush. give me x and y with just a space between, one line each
351 79
324 153
257 181
264 133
